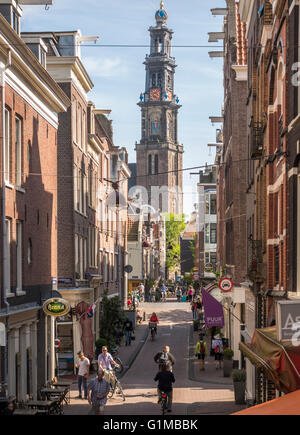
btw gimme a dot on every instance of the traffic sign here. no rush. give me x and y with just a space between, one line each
226 285
57 343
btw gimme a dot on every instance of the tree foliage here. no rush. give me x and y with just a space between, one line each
175 225
112 319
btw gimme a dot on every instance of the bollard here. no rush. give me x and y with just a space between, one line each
144 316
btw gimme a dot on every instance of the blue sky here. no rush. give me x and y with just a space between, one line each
118 74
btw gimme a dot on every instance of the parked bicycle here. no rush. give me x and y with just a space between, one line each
115 387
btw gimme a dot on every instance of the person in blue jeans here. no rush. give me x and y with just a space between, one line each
83 367
128 331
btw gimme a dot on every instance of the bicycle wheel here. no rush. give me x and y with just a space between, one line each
112 390
118 385
120 368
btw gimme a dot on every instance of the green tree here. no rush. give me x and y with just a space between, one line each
175 225
112 319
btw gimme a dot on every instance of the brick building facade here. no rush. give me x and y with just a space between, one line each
30 104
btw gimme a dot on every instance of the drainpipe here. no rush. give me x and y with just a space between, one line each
4 250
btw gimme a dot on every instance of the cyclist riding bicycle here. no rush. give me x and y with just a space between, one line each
165 380
165 357
154 319
104 362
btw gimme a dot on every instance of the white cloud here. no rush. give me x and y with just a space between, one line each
107 67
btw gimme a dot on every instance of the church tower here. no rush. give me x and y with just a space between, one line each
159 155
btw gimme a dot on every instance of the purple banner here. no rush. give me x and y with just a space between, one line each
213 311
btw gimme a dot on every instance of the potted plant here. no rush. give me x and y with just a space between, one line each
227 362
239 383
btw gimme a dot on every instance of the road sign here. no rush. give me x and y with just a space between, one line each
226 285
57 343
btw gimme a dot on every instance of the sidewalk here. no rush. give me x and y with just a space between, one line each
223 402
210 375
126 353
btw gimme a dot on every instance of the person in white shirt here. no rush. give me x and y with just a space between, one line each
83 367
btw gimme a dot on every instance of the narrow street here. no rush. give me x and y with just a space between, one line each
208 395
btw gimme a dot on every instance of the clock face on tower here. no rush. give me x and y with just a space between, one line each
155 94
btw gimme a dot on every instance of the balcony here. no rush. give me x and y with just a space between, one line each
256 139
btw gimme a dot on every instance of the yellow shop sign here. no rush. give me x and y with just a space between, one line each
56 307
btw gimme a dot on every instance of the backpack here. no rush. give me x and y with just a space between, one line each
163 359
202 347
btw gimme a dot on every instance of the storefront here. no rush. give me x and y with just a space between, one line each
133 285
275 351
76 330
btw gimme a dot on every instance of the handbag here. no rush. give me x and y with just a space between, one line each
132 337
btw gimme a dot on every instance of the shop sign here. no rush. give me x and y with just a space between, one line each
288 321
65 280
56 307
226 285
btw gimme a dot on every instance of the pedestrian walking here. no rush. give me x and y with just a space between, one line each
201 352
165 380
163 291
152 294
178 294
191 292
83 367
217 346
128 330
98 390
199 308
194 308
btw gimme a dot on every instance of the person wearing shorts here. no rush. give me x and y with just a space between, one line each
98 390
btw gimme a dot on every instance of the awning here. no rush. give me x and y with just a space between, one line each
285 405
279 361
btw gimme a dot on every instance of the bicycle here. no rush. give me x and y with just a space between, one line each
114 386
114 353
152 326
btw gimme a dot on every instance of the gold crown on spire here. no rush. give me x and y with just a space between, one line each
161 5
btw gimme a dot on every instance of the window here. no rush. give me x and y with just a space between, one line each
213 233
74 120
213 259
7 262
156 164
80 256
7 140
116 268
84 131
18 135
19 256
149 164
79 126
206 204
213 204
206 233
29 252
92 247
